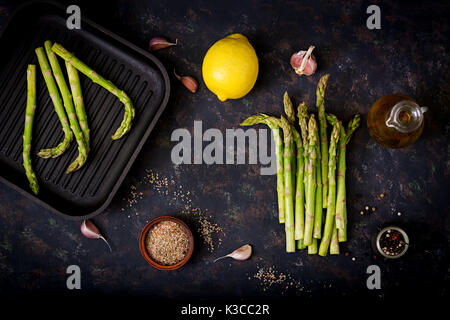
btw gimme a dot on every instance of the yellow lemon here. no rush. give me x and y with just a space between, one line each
230 67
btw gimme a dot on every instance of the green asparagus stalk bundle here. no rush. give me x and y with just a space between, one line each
28 129
70 109
58 105
320 104
289 183
125 126
274 125
311 172
331 205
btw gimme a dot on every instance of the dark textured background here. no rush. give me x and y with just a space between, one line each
408 55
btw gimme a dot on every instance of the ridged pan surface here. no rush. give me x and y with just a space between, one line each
89 190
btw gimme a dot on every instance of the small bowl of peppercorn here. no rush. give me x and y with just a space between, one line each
166 243
392 242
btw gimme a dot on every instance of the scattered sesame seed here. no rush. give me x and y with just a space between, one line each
373 209
399 213
269 276
176 196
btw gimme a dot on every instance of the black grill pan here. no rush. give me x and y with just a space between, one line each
88 191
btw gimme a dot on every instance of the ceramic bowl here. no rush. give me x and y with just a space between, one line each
147 256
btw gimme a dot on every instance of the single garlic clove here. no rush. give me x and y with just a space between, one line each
241 254
90 230
304 62
189 82
158 43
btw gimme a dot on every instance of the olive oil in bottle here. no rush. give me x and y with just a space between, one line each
395 121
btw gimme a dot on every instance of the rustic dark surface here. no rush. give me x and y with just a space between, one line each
408 55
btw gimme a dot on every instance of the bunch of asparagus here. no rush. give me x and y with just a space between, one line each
70 108
307 179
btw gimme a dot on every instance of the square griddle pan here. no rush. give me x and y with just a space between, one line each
88 191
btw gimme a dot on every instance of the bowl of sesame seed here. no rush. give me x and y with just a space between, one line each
166 243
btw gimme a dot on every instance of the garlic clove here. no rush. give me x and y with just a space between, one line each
241 254
304 62
189 82
90 230
158 43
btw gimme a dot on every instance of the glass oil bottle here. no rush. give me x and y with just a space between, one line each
395 121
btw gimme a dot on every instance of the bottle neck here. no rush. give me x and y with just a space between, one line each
406 116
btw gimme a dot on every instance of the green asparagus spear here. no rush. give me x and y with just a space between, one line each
289 163
352 126
342 233
331 206
302 113
303 122
70 109
28 129
312 249
273 124
311 175
299 190
290 117
288 108
125 126
300 244
341 188
75 86
58 105
299 220
334 245
318 212
320 104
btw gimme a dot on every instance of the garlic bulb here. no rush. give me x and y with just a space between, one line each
304 62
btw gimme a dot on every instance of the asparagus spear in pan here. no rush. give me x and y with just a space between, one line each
58 105
29 116
70 109
75 86
125 126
